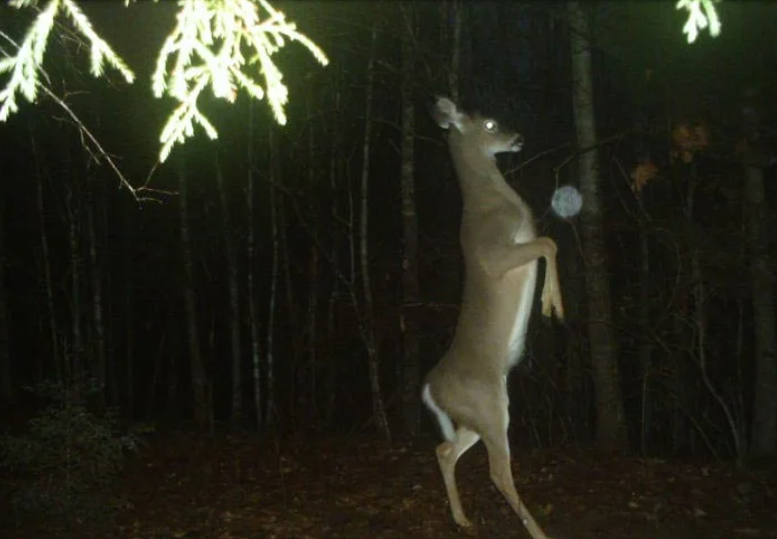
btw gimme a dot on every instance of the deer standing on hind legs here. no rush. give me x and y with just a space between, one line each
467 390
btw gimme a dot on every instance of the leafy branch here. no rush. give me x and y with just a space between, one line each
208 46
701 13
25 66
214 44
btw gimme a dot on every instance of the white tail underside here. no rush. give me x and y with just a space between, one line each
446 425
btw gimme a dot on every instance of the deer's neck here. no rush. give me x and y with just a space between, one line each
482 184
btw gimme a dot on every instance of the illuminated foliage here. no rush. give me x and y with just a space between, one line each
25 65
208 45
223 45
701 13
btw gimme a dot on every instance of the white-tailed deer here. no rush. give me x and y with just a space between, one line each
467 390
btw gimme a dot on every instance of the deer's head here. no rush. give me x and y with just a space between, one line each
483 135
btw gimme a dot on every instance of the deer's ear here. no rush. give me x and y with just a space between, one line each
446 114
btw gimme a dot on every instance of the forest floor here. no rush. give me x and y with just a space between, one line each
236 487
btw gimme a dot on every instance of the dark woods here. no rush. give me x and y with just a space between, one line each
302 279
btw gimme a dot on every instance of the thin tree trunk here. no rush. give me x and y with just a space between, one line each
113 393
681 424
645 350
203 409
271 304
6 380
129 322
764 437
764 430
367 319
173 385
410 285
313 284
455 59
312 327
335 160
610 425
234 299
97 329
74 364
253 312
577 395
298 389
44 265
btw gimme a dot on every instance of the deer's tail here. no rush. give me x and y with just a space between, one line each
443 419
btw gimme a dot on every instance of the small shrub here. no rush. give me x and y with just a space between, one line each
65 466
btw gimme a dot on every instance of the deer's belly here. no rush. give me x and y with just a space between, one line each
521 293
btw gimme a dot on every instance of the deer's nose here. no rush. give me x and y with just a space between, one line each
517 142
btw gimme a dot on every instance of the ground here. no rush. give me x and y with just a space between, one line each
234 487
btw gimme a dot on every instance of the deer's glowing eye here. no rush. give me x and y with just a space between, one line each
490 126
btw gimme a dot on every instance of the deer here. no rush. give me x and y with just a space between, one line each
467 390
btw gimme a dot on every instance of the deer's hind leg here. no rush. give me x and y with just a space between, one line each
448 453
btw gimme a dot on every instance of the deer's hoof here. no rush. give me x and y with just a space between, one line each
466 526
470 530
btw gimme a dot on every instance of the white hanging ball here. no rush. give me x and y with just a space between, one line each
567 201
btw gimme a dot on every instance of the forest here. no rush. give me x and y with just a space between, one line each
235 346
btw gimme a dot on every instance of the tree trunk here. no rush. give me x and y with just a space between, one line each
577 390
44 268
253 311
6 380
410 285
335 167
74 369
97 354
313 284
455 59
611 425
298 388
764 430
203 409
645 346
367 318
236 400
271 410
128 279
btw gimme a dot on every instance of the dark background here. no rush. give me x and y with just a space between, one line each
515 66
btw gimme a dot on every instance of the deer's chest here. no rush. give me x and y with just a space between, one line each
521 284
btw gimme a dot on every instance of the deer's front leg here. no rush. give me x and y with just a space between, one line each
551 290
497 260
